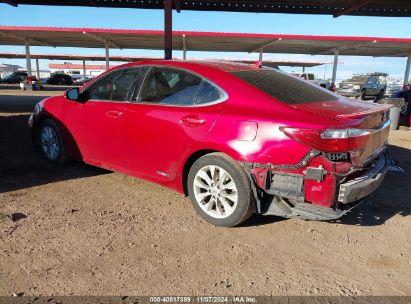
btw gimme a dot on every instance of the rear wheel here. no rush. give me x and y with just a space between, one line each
50 141
219 190
363 94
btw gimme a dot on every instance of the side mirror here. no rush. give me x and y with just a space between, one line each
73 94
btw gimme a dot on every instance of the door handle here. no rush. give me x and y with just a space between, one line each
192 121
114 114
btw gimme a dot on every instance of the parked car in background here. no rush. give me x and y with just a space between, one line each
235 138
83 80
373 84
15 77
60 79
405 118
311 78
393 87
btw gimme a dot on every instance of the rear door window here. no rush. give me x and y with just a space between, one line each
170 86
284 87
208 93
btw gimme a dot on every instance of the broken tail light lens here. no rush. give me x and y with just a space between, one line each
330 140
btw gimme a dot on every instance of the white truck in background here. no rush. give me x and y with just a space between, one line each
311 78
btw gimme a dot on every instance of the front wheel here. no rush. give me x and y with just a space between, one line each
219 190
51 143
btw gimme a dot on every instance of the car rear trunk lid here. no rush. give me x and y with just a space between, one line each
360 115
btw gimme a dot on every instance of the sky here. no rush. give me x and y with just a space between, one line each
220 22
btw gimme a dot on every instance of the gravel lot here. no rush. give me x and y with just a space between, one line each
80 230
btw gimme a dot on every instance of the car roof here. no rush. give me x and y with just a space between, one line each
223 65
227 66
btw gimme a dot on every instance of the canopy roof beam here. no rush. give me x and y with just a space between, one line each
356 5
9 2
24 39
346 47
264 45
177 5
103 40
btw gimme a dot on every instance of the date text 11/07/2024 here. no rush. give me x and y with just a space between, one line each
203 299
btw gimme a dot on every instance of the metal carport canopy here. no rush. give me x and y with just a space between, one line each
393 8
205 41
272 63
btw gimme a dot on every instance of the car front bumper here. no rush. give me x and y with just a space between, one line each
349 93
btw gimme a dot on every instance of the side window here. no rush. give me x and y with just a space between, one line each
115 86
170 86
208 93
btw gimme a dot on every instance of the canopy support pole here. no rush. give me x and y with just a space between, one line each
168 29
84 69
37 69
28 59
407 71
107 57
303 69
260 58
184 47
334 75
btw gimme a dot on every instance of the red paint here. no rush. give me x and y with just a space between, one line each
144 140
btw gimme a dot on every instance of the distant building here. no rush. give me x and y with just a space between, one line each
7 69
76 70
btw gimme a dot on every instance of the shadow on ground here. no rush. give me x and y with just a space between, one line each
390 199
18 104
23 166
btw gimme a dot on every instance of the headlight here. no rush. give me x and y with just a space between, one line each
37 108
356 87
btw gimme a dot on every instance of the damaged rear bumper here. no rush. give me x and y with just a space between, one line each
365 184
284 192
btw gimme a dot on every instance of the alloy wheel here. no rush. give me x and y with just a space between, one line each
215 191
50 142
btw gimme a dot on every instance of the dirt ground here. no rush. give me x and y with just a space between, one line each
80 230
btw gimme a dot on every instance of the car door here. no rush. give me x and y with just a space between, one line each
174 109
98 123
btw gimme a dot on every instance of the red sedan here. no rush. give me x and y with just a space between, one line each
235 138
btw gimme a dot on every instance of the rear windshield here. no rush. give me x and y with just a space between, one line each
284 87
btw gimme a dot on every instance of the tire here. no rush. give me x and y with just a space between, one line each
363 94
405 109
212 198
50 142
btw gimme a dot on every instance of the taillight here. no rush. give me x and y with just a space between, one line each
330 140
